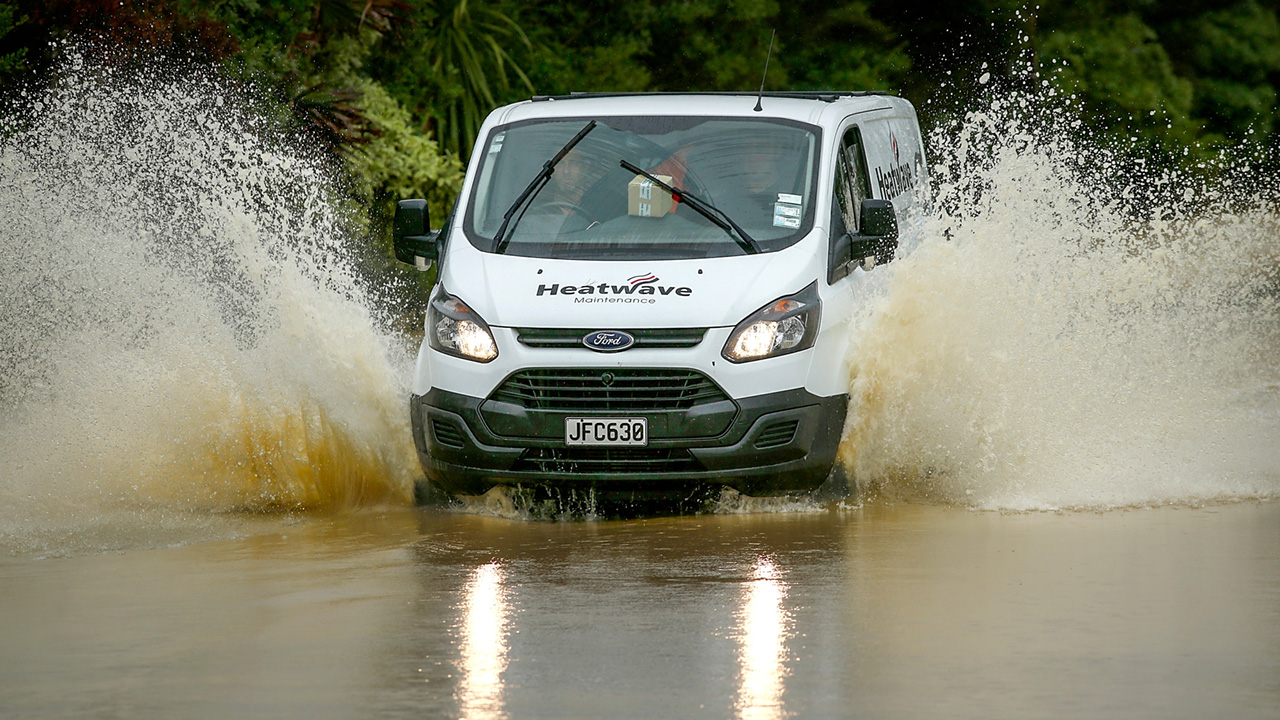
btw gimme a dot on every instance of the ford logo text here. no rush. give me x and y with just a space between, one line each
608 340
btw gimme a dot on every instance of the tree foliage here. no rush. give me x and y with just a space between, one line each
1099 63
1232 56
11 61
398 88
451 62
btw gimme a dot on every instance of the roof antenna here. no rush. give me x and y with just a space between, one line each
766 70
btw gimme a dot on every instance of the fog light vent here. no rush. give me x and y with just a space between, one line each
779 433
447 433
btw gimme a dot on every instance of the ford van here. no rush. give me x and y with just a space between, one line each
647 292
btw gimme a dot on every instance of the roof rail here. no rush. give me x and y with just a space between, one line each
821 95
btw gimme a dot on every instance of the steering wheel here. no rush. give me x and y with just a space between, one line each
568 208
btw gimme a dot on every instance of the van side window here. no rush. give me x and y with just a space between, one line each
852 184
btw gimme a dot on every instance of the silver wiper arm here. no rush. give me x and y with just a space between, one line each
535 186
704 208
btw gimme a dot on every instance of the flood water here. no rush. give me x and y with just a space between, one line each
885 610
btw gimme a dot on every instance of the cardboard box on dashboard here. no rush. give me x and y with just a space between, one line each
644 199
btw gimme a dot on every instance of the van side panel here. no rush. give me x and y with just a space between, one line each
895 157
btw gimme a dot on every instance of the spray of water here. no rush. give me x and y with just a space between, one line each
184 334
183 329
1070 334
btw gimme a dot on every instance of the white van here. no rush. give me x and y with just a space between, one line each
646 292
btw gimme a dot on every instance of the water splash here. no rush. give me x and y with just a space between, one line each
732 502
185 330
1072 335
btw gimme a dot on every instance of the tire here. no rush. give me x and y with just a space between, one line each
837 486
425 494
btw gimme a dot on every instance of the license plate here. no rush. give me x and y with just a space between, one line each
628 432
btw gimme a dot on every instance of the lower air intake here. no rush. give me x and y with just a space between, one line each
591 461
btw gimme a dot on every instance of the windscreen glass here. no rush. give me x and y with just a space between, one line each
758 173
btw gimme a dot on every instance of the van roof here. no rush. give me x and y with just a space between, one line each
820 95
806 106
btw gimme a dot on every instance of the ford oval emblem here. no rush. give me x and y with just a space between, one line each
608 340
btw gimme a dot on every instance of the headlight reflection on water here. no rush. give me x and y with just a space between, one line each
764 627
486 615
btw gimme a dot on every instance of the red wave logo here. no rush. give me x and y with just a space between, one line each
642 279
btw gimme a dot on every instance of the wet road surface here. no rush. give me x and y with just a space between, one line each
888 610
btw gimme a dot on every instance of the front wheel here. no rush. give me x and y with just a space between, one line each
838 485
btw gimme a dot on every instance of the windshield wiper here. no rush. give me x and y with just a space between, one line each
539 181
704 208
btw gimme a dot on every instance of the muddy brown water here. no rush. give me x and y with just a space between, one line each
885 610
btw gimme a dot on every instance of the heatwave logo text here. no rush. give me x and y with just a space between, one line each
638 289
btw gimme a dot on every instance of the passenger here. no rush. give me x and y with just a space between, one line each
760 170
762 173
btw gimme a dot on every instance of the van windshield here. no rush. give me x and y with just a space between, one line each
759 173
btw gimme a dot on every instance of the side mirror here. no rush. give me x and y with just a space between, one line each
414 241
878 234
879 219
873 244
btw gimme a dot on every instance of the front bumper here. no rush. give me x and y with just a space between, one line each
763 445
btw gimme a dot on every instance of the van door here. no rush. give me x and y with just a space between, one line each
849 186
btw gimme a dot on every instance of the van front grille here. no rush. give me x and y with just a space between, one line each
584 461
646 338
613 389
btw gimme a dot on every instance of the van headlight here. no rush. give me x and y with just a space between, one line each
786 325
455 329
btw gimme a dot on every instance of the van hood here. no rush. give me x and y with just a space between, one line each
512 291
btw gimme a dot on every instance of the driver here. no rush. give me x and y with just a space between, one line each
568 184
561 201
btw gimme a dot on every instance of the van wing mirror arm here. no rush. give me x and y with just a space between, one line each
859 250
841 254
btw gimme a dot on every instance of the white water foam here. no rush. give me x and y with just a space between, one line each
1067 338
183 329
184 334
